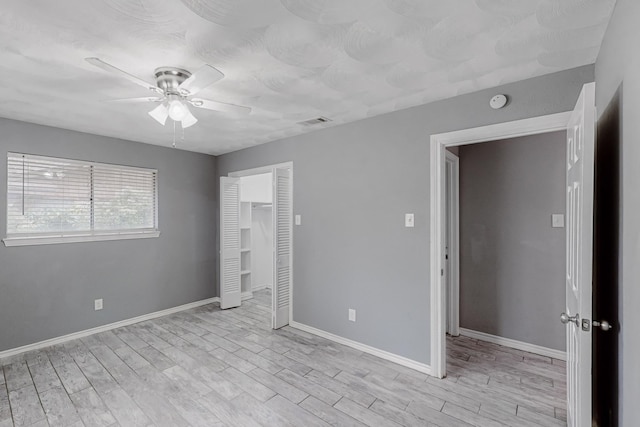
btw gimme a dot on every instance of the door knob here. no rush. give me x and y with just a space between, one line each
565 318
604 325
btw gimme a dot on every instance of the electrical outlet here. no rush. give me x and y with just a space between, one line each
352 315
298 219
97 304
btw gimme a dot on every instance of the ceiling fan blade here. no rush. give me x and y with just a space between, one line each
160 114
136 100
110 68
188 121
205 76
219 106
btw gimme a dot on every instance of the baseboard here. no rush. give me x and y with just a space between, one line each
246 295
519 345
103 328
260 287
400 360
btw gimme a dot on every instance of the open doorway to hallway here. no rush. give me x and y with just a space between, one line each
505 271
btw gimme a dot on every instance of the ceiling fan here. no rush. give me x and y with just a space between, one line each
174 89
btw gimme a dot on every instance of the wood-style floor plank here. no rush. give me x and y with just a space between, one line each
72 377
17 375
25 406
211 367
92 409
331 415
58 407
5 408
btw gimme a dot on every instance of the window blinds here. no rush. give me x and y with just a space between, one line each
123 198
52 196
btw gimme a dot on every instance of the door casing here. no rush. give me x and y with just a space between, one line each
452 269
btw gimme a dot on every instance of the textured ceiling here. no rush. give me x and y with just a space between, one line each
290 60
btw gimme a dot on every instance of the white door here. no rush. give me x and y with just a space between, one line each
282 235
229 242
580 171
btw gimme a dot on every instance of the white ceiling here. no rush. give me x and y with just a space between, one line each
290 60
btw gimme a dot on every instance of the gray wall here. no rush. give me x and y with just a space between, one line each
48 291
353 184
512 262
618 65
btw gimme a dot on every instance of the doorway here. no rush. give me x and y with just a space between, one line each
256 240
502 198
511 270
439 210
256 234
579 125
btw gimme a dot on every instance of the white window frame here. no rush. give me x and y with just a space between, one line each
48 238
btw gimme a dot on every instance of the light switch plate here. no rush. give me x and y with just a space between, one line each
408 220
352 315
97 304
298 219
557 220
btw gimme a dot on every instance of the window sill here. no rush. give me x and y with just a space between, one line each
52 240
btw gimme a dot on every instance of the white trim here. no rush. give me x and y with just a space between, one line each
51 240
532 126
261 169
246 295
400 360
104 328
454 244
260 287
514 129
291 252
519 345
438 325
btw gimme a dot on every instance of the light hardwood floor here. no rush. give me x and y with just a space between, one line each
207 367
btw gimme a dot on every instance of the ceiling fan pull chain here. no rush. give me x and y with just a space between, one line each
174 134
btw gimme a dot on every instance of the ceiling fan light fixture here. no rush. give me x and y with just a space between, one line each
189 120
178 110
160 114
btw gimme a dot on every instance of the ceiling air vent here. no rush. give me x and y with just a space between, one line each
313 122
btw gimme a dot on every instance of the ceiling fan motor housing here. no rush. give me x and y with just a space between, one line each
169 79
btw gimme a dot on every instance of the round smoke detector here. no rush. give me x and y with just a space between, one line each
498 102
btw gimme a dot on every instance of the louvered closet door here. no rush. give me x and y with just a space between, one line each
229 242
282 236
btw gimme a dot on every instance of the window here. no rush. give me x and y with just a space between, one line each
52 200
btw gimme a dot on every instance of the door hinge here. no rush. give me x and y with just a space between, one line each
442 271
586 325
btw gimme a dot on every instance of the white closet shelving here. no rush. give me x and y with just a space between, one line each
245 246
256 231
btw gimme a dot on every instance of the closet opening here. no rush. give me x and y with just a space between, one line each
256 240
